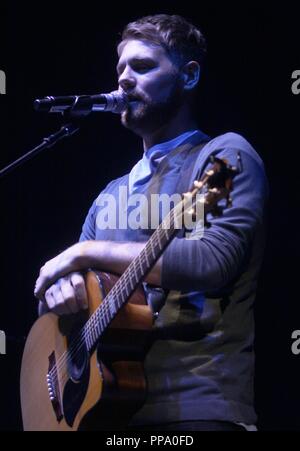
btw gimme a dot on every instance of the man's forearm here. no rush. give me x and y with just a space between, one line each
115 257
103 255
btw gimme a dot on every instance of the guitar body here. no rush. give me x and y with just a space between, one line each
98 390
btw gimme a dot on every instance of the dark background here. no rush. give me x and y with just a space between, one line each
246 88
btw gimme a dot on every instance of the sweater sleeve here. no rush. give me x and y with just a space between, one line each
221 254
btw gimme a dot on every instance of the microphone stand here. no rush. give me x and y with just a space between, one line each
81 108
65 130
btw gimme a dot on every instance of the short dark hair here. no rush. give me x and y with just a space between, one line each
181 39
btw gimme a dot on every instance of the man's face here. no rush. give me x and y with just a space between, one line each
153 84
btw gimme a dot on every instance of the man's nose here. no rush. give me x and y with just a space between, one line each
126 80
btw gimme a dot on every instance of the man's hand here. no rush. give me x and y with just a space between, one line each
73 259
102 255
67 295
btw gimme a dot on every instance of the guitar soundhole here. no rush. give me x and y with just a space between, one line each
74 394
78 356
78 371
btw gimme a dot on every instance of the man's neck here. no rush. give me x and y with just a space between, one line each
181 123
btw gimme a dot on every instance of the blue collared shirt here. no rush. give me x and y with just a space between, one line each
146 166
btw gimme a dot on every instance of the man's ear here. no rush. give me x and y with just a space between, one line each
191 74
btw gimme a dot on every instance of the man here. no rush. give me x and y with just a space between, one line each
200 367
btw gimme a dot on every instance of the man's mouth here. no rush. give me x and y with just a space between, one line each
134 102
133 98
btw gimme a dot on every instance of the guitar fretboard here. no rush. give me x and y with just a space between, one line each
130 279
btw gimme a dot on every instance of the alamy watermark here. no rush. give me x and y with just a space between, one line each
2 82
138 211
2 342
296 84
296 344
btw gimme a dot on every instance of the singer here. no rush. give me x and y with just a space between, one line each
199 366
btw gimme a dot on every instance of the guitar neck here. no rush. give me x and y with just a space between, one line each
131 278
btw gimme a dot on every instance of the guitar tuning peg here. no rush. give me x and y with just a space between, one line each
201 200
198 184
192 213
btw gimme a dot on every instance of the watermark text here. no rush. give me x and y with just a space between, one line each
2 342
296 344
138 211
2 82
296 84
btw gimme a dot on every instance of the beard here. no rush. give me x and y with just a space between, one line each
144 116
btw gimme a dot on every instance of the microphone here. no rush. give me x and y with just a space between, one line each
82 105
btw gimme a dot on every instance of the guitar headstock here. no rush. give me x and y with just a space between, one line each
215 185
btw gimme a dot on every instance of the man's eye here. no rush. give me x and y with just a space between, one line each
143 68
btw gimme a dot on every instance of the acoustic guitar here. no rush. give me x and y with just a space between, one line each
85 370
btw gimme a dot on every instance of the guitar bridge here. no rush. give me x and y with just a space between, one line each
53 387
